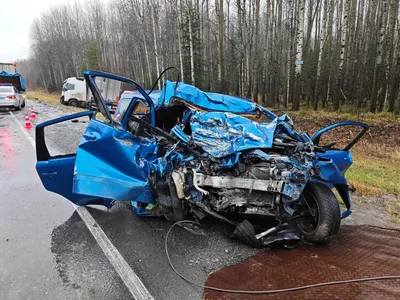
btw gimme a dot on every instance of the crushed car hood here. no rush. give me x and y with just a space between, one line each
205 100
221 133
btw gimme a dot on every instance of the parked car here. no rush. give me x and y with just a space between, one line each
193 154
11 97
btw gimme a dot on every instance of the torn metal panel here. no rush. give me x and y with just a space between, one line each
98 173
205 100
221 134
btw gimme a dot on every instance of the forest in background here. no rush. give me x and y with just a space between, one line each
282 53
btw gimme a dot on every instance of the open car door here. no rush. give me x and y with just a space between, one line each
333 162
56 171
111 162
341 155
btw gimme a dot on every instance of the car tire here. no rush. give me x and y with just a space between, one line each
23 104
73 102
328 210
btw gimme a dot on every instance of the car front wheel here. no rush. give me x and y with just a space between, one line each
319 219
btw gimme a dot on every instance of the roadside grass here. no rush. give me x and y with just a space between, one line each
374 176
41 95
49 98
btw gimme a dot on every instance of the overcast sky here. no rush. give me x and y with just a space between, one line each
15 19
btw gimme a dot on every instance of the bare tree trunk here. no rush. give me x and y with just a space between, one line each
180 55
180 45
343 44
191 48
379 67
320 52
209 45
384 72
147 59
328 50
257 52
394 67
155 47
299 52
240 47
219 7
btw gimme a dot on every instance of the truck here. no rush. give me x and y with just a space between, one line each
75 93
10 77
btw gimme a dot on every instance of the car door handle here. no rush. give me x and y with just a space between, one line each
89 136
49 173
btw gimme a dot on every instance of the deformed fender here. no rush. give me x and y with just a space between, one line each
343 190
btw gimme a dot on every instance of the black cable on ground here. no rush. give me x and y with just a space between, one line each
297 288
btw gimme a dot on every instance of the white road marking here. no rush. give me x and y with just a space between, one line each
128 276
28 136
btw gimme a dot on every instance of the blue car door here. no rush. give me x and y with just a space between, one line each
56 171
333 162
111 162
336 161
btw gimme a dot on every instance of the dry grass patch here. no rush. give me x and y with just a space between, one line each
41 95
49 98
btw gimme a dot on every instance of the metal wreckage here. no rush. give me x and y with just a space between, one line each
193 154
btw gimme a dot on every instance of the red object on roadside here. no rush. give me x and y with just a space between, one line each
33 116
27 122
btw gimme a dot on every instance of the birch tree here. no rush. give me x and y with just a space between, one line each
343 48
379 67
320 53
219 8
299 52
394 62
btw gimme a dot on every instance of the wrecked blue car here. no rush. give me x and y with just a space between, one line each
187 154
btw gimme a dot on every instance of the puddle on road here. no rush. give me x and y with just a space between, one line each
357 252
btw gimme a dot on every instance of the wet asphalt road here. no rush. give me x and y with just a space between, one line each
48 253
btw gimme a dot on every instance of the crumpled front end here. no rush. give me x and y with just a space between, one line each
193 154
